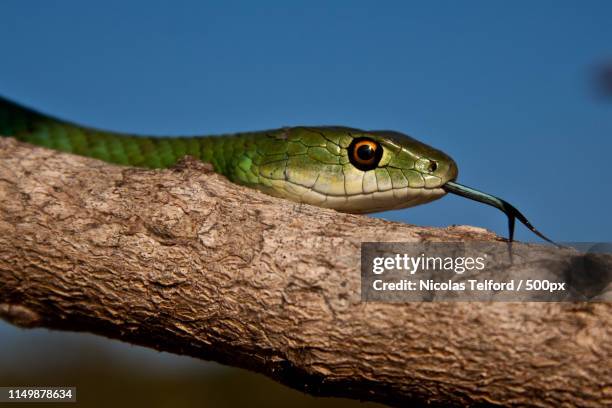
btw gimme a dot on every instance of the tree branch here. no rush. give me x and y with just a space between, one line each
181 260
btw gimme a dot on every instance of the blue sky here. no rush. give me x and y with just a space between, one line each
503 87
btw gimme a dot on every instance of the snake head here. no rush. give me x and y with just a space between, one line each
352 170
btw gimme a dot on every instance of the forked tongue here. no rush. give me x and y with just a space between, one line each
496 202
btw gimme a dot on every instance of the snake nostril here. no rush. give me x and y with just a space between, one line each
433 166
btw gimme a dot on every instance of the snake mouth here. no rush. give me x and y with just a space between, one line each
511 212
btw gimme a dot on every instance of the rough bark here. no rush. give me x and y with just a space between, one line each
181 260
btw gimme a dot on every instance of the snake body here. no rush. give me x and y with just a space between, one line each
347 169
311 165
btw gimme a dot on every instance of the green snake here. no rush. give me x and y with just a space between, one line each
349 170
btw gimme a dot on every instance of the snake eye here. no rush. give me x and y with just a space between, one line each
364 153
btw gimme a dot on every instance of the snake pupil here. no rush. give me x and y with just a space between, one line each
365 152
